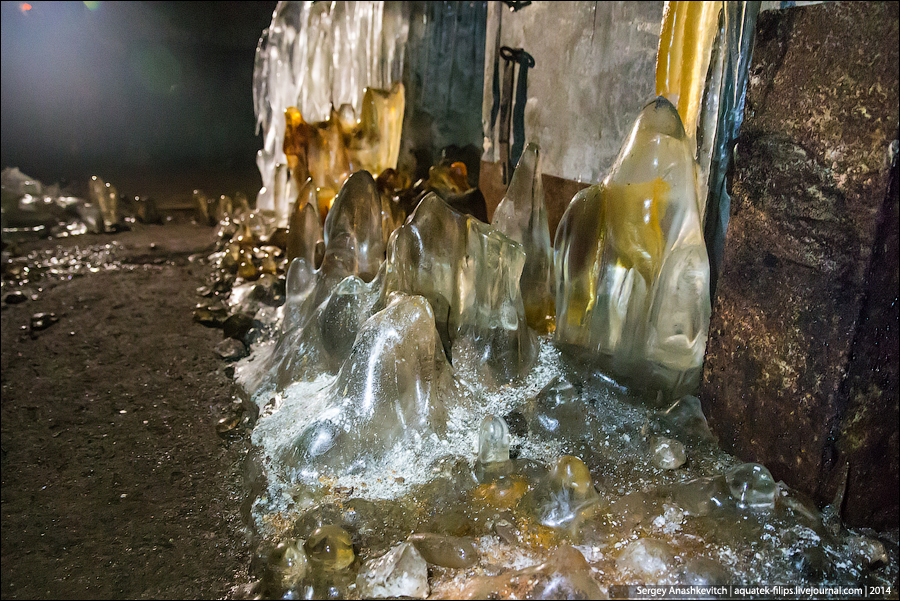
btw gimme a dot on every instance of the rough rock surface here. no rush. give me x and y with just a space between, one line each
808 291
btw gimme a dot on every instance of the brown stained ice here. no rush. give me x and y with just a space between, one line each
445 551
392 390
330 549
317 150
632 273
469 272
374 142
572 497
522 215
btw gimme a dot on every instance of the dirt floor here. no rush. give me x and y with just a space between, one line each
115 483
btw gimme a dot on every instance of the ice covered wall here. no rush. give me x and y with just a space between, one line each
316 55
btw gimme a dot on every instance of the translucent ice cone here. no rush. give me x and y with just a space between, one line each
522 215
391 390
632 270
304 226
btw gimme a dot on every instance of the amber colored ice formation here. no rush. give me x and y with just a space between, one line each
522 215
632 273
374 142
316 150
572 496
688 32
469 272
330 548
106 197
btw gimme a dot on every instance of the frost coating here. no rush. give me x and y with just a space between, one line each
668 454
647 559
632 274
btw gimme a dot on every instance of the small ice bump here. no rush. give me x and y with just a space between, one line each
401 572
752 486
493 440
668 454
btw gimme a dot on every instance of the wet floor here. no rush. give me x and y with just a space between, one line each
115 483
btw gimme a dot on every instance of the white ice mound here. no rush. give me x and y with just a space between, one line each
392 390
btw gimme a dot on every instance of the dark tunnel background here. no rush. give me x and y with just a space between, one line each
132 91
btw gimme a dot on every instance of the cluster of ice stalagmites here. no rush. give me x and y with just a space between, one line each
390 352
388 320
470 274
632 273
631 277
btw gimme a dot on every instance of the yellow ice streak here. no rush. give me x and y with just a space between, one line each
633 212
682 60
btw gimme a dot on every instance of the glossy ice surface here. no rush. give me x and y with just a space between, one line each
470 274
522 215
632 275
405 403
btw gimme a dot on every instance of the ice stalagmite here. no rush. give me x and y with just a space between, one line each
469 272
374 143
578 250
356 219
324 306
522 215
632 275
106 197
493 440
391 390
304 226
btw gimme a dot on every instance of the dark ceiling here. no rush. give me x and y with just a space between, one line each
92 85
